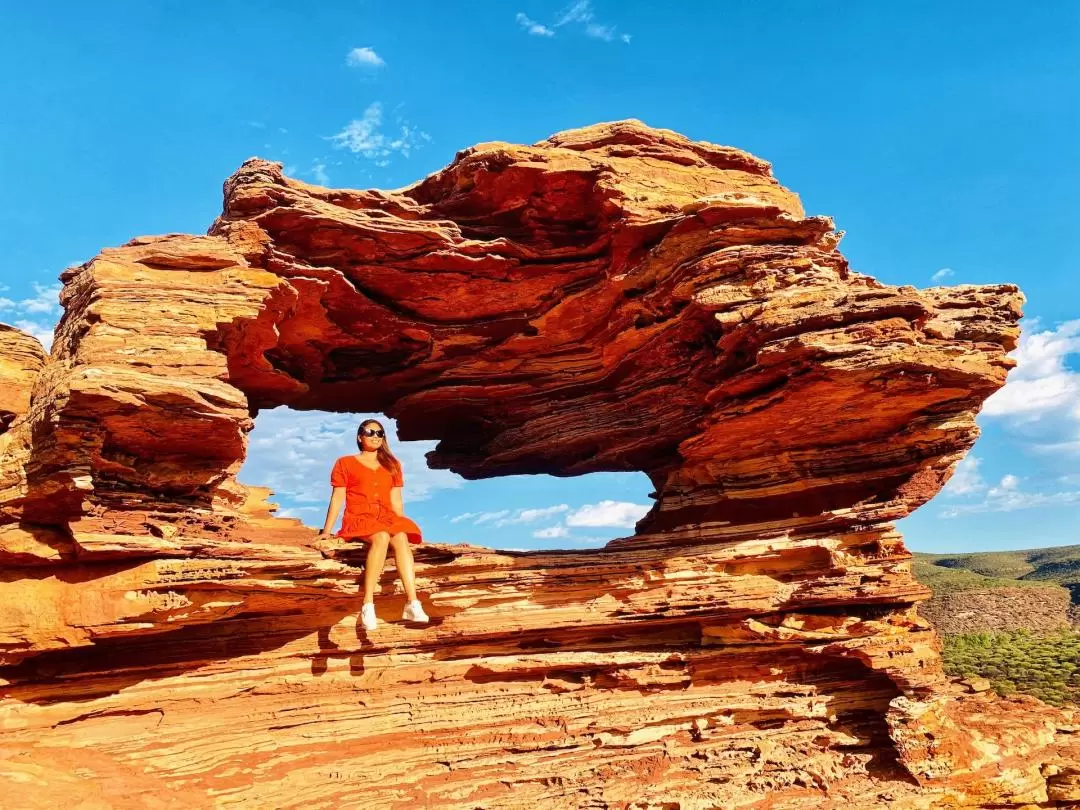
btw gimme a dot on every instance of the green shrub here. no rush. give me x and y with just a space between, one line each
1046 666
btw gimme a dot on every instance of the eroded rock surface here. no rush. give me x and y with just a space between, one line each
613 298
21 358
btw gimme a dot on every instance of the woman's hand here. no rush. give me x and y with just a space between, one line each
326 543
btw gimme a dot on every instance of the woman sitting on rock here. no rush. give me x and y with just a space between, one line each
369 484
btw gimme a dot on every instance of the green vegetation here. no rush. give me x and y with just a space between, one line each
997 569
1046 666
942 579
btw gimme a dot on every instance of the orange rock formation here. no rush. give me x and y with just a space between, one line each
613 298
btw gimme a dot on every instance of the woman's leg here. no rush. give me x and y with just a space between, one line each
373 565
404 560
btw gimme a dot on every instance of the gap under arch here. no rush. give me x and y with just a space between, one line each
291 452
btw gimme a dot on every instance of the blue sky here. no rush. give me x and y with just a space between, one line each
940 136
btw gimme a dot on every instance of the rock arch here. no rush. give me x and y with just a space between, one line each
613 298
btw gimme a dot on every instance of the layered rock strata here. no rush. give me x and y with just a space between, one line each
613 298
21 358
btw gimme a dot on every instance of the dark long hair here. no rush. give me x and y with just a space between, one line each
386 458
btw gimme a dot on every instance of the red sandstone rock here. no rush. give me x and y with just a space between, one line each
614 298
21 358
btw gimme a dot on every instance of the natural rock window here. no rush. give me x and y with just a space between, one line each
290 453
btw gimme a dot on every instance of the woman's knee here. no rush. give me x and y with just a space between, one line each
380 538
400 540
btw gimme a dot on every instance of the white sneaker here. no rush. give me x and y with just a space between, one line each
414 612
367 616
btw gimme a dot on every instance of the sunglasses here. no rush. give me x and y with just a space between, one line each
371 432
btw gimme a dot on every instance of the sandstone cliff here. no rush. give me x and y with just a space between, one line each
613 298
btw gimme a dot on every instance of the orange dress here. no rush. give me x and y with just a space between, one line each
367 501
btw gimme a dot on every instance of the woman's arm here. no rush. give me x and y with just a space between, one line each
337 500
395 501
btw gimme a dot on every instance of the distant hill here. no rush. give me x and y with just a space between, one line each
1035 589
1059 565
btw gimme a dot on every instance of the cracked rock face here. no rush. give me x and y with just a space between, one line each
613 298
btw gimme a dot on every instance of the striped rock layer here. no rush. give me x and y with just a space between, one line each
614 298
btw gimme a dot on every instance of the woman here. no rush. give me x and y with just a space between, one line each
369 484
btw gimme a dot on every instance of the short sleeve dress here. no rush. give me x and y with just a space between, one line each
367 501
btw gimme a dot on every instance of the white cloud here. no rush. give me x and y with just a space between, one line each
551 531
38 314
942 274
1008 497
608 513
364 136
506 517
966 479
487 517
1042 395
292 453
46 300
364 57
579 14
597 31
318 171
299 511
533 27
43 332
531 515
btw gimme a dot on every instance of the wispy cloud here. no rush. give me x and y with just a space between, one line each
36 315
942 274
551 531
298 512
597 31
1008 496
966 479
41 331
46 299
620 514
579 15
487 517
532 515
533 27
364 58
364 136
318 171
579 12
605 514
506 517
292 452
1042 396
